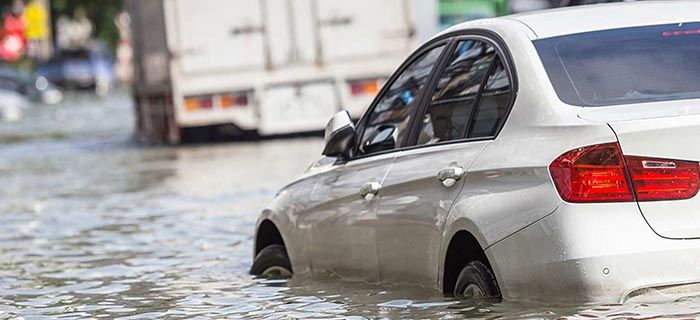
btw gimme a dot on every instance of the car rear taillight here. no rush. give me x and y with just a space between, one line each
600 173
663 179
592 174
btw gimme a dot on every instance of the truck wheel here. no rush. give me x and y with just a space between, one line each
476 281
272 262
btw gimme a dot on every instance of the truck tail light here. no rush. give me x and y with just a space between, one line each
230 100
222 100
191 103
199 102
600 173
364 87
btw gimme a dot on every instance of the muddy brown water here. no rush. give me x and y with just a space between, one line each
95 226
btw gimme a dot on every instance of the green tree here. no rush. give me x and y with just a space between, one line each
101 13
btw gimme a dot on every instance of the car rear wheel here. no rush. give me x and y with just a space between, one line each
476 281
272 262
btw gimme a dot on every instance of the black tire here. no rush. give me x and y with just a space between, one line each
476 281
272 262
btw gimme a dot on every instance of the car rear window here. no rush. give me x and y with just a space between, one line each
73 55
623 66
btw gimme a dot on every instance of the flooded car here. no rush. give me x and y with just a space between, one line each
546 155
12 99
87 68
31 85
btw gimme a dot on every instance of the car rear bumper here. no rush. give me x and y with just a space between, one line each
597 253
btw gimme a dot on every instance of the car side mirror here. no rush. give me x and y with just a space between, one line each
340 136
382 139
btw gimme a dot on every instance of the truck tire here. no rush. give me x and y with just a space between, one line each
476 281
272 262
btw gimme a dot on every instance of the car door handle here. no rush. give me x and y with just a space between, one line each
450 175
369 190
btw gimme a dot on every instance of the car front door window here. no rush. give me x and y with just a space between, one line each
388 124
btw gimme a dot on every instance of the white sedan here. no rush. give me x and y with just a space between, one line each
547 155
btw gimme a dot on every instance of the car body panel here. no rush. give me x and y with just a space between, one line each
340 224
413 210
669 130
573 256
284 211
640 111
674 138
556 22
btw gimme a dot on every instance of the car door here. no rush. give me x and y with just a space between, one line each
458 121
341 224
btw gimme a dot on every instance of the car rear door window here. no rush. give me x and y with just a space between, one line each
388 124
455 97
493 103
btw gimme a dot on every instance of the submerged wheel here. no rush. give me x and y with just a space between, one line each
272 262
476 281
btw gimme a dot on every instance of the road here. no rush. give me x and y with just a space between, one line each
93 225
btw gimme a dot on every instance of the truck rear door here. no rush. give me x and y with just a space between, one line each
218 35
290 32
363 28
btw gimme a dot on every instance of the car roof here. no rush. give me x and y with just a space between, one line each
570 20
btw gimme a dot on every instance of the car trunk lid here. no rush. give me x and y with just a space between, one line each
666 130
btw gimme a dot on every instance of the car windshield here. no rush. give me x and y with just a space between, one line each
623 66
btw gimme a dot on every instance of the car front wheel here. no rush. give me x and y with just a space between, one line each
272 262
476 281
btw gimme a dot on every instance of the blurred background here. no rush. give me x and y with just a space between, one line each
116 203
217 69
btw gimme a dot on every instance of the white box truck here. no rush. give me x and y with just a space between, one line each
264 66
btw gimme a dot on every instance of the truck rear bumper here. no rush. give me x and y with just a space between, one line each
595 253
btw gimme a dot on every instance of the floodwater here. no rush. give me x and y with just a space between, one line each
95 226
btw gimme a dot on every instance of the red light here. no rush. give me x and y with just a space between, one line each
357 88
600 173
680 33
364 87
229 100
206 103
592 174
663 179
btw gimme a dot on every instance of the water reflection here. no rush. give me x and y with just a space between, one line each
93 226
